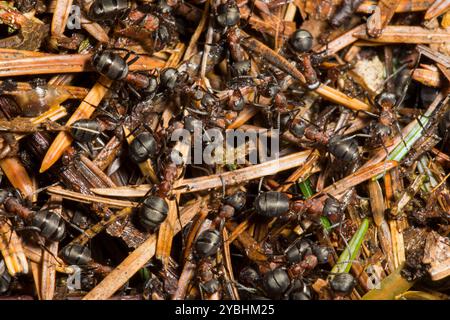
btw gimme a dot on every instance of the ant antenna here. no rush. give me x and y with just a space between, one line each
260 184
408 82
247 21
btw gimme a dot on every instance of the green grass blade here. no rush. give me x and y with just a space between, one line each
344 262
305 188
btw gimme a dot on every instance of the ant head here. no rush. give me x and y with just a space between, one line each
228 14
236 200
163 7
301 40
386 98
169 77
297 128
152 87
4 194
208 101
236 101
271 87
240 68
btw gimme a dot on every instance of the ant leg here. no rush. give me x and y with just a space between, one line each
134 91
399 130
360 135
395 73
249 16
385 159
28 228
82 146
260 184
136 58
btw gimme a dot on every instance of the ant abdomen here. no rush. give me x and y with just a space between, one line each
208 242
296 253
344 150
343 283
110 64
153 212
76 254
51 225
143 147
272 204
276 282
85 130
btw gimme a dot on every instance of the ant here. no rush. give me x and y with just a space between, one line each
80 255
209 241
46 222
342 148
278 204
110 64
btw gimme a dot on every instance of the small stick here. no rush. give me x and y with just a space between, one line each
245 115
60 17
358 177
249 245
48 272
85 198
12 249
301 172
217 180
382 15
434 55
445 71
64 63
376 201
107 180
75 92
228 263
36 271
107 155
90 233
384 234
342 41
407 34
427 77
6 53
437 8
94 29
403 6
48 268
198 31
